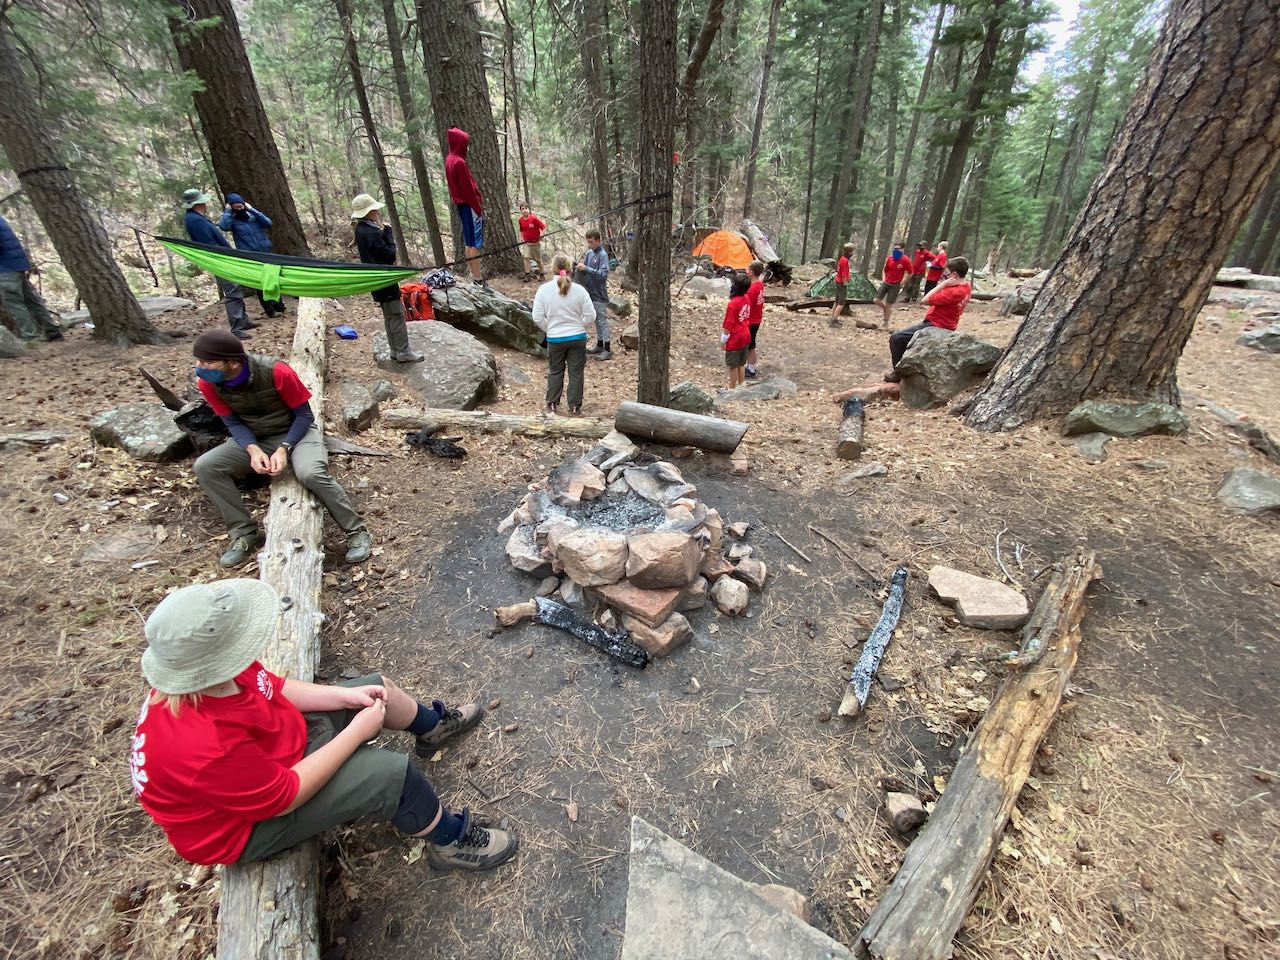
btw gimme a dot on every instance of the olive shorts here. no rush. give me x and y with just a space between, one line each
735 358
888 292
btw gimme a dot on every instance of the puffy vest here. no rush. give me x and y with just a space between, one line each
257 403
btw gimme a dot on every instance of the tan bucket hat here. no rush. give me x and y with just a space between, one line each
362 204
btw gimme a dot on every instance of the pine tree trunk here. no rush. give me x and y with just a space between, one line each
688 115
413 129
597 106
908 150
656 69
26 136
241 146
1243 252
453 56
615 132
887 224
1262 256
757 128
813 135
1199 143
515 99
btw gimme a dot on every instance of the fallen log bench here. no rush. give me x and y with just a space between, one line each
678 429
271 910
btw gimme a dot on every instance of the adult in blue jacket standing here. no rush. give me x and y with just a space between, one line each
248 227
203 230
21 299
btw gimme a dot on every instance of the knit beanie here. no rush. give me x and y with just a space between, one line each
234 198
218 345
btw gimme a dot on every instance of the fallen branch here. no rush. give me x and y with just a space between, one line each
919 914
482 421
798 552
849 436
339 445
552 613
855 697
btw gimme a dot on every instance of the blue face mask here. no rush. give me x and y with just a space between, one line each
897 254
210 375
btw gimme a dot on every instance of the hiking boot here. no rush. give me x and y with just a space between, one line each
893 376
837 322
240 550
549 409
575 411
479 848
751 373
454 721
593 350
240 334
407 356
604 353
359 545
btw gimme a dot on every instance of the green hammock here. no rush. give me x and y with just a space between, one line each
860 289
275 274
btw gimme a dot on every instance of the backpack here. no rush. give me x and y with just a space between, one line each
416 298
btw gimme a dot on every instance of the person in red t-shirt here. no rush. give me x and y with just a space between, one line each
920 261
842 277
936 267
755 297
946 302
237 764
896 266
735 336
532 228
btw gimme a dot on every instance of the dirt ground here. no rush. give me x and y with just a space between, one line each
1149 829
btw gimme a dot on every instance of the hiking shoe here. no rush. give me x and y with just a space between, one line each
359 546
575 411
751 373
407 356
605 353
837 322
479 848
251 325
239 551
240 334
595 349
893 376
454 721
549 409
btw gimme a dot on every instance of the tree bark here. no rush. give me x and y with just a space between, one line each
26 135
692 70
509 61
887 224
597 106
660 424
656 69
615 132
757 128
1199 143
413 130
1243 253
241 146
813 136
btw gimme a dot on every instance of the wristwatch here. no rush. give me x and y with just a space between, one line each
287 448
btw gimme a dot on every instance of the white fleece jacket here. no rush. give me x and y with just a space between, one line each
563 317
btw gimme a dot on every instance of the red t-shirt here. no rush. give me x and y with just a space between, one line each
736 316
895 270
920 260
842 270
531 228
755 296
946 305
213 771
935 268
287 382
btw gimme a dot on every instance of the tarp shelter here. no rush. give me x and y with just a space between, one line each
861 290
726 248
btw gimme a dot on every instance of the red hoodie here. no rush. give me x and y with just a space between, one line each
462 185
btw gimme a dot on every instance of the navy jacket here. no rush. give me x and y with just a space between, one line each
202 230
249 228
13 259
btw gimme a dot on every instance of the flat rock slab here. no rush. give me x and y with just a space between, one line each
145 431
151 306
494 317
681 905
767 388
1250 491
459 372
1267 339
1120 419
979 602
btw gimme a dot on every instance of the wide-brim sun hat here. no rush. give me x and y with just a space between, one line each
362 204
207 633
191 198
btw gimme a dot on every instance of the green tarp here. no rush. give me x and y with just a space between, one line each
861 290
275 274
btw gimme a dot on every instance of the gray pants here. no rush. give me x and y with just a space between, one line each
394 322
26 306
219 469
573 354
602 320
233 295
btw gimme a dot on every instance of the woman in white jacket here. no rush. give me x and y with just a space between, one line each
563 310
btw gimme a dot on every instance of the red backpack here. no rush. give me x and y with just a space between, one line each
416 298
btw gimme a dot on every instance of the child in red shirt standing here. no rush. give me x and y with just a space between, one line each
736 334
920 261
532 228
843 275
896 266
936 267
755 297
946 302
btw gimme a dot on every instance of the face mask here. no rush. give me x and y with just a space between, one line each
897 254
210 375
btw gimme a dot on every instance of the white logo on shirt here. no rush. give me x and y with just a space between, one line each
265 686
137 755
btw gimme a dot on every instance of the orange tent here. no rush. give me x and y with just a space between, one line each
726 249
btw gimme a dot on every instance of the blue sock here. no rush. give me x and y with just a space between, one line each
427 718
448 829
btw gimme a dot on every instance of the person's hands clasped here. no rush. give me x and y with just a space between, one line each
277 462
259 461
357 698
367 724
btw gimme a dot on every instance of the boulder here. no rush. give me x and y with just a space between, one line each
630 336
1019 301
575 481
673 633
662 559
593 557
525 554
151 307
708 287
620 306
939 364
11 345
1121 419
690 398
979 602
694 596
458 374
145 431
766 388
359 408
493 317
752 572
730 596
651 606
904 812
1267 339
1250 491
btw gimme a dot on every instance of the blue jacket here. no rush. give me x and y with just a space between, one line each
202 230
13 259
595 273
249 228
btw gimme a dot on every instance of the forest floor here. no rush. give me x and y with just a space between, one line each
1150 828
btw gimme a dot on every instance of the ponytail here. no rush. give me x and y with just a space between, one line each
560 265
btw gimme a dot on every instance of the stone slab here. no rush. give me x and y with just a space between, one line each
145 431
979 602
1250 491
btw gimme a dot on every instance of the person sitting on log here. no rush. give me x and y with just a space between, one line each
237 764
563 311
267 411
946 302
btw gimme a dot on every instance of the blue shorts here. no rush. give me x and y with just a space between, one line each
472 227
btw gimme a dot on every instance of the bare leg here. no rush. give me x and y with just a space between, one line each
476 272
401 708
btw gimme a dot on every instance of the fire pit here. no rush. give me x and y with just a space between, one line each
629 544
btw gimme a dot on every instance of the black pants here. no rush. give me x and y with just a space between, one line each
899 340
929 285
269 307
570 353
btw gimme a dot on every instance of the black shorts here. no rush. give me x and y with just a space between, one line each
754 330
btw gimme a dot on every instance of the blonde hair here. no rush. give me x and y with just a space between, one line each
560 266
848 249
175 701
942 245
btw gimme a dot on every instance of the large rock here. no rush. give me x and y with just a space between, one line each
690 398
575 481
679 904
979 602
1267 339
494 317
145 431
630 336
730 596
358 407
593 557
707 287
659 641
766 388
942 363
662 559
620 306
11 345
1251 491
651 606
459 371
1019 301
1120 419
151 307
525 554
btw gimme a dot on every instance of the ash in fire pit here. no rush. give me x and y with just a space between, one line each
631 545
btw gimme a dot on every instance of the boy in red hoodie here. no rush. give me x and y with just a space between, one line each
945 303
531 229
465 194
736 335
755 297
896 266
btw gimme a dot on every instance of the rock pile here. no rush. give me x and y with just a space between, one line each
630 544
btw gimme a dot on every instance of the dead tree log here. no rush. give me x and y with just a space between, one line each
855 697
677 428
924 906
849 436
482 421
271 910
775 267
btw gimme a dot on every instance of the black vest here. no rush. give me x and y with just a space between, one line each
257 402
